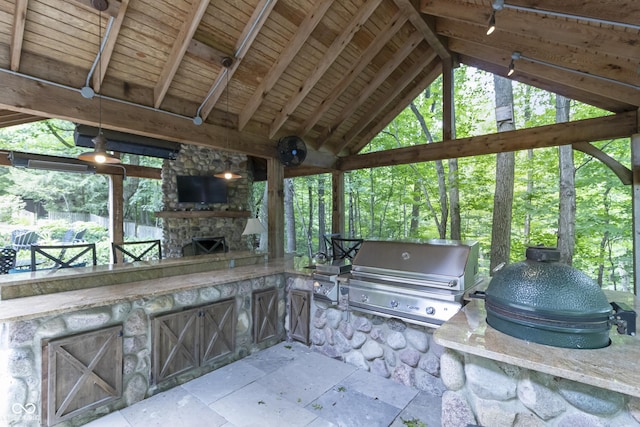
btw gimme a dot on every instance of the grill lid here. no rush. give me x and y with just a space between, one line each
445 261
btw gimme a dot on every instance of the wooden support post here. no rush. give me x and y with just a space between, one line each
337 204
275 208
635 166
116 211
448 107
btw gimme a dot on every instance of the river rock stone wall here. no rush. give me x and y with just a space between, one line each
194 161
21 370
489 393
389 348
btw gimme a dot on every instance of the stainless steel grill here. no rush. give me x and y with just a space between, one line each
326 286
422 283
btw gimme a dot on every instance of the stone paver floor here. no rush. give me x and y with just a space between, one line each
285 385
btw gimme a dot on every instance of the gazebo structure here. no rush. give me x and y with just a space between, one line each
239 76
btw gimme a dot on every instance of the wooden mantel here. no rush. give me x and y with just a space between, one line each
203 214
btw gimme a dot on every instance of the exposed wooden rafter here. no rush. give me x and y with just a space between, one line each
392 27
336 48
284 59
17 35
198 8
244 43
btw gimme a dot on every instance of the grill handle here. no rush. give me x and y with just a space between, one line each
624 318
478 295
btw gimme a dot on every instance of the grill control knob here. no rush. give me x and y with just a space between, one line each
364 298
393 303
430 310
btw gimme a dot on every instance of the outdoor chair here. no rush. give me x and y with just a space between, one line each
328 250
47 257
24 239
7 260
345 248
71 236
137 251
209 245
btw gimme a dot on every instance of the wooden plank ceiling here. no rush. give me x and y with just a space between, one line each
332 72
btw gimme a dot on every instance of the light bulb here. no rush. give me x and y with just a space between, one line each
100 158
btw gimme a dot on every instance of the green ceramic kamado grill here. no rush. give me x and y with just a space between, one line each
548 302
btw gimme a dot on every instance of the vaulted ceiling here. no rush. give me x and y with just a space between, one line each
239 75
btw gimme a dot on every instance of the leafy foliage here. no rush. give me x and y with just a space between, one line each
380 201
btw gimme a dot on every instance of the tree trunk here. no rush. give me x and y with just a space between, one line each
528 208
289 216
505 166
442 185
415 210
454 200
567 196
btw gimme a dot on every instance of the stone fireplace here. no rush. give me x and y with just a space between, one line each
182 221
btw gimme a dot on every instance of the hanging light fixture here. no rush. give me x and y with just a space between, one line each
227 173
99 153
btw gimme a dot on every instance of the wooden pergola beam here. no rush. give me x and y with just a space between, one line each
608 127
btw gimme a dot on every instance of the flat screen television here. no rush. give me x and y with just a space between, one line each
201 189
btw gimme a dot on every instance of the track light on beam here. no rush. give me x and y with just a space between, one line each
500 4
492 23
512 64
497 5
517 55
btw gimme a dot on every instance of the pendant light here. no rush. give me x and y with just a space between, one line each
99 153
227 173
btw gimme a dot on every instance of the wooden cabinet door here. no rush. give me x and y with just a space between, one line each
299 315
175 344
83 371
218 329
265 314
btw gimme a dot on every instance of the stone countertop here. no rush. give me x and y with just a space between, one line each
612 368
66 279
31 307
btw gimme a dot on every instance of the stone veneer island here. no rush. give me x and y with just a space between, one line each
493 379
101 326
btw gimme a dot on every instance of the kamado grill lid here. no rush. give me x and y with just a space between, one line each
548 302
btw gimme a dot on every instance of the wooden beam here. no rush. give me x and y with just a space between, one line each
17 34
109 46
337 203
392 113
180 45
623 172
378 80
248 36
599 100
427 29
448 106
287 55
543 49
561 77
626 11
47 101
390 94
635 202
336 48
275 208
383 37
616 126
116 212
